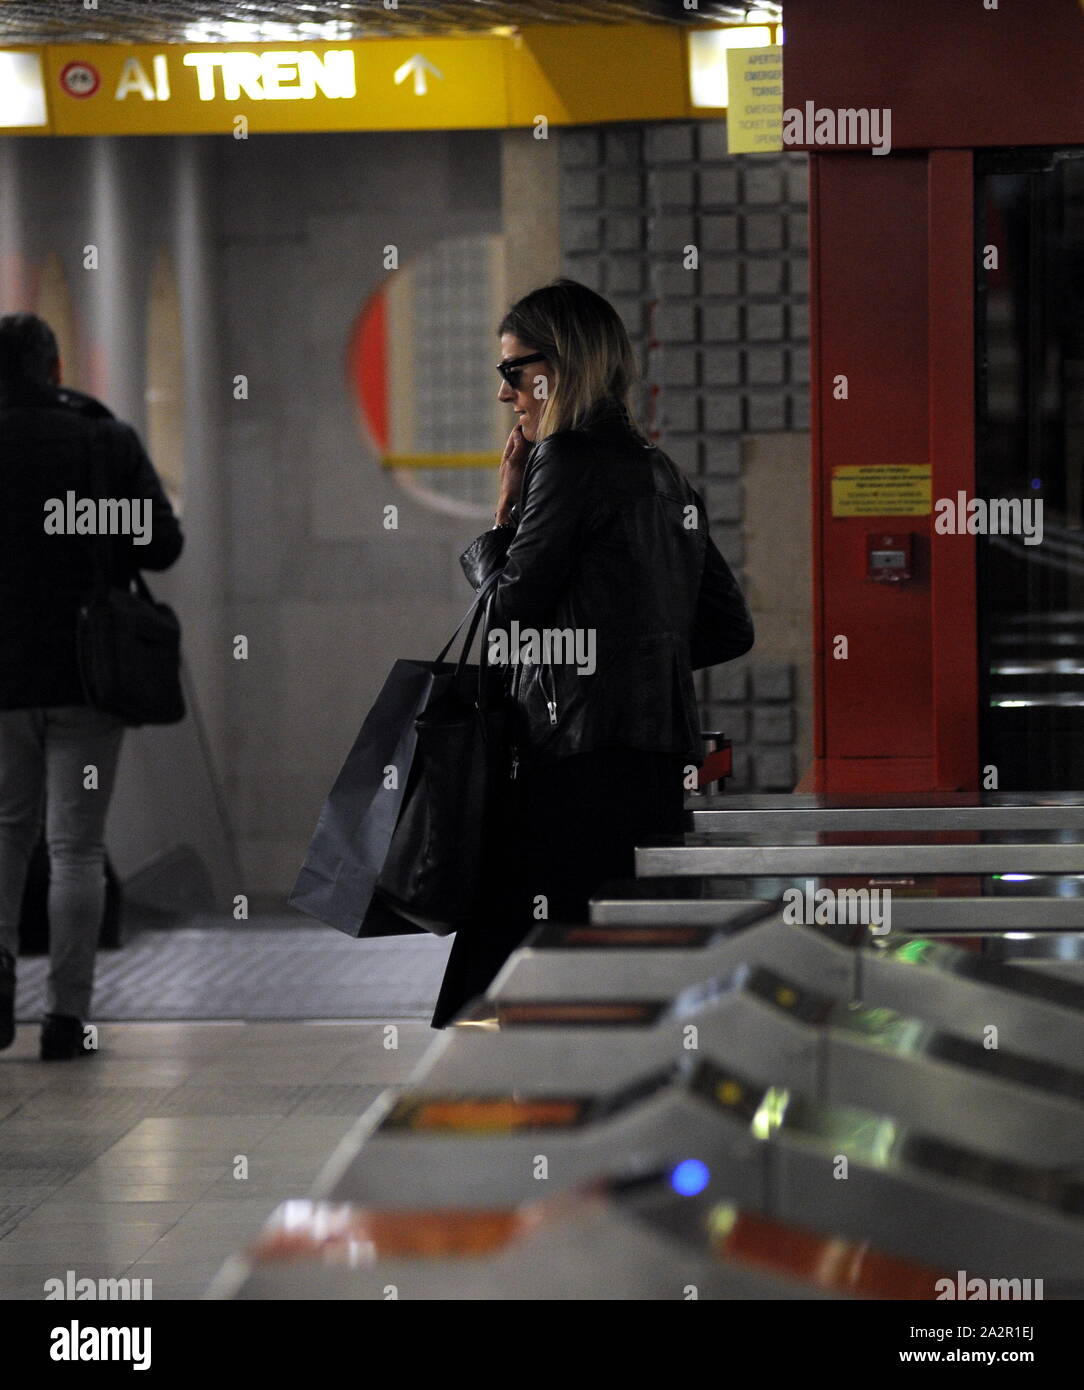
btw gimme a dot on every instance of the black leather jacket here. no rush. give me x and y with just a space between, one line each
612 540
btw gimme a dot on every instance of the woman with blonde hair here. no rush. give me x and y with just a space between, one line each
611 594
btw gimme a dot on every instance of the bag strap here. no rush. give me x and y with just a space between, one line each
480 615
99 544
483 656
141 586
483 590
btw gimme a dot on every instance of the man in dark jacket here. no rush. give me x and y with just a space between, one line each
58 755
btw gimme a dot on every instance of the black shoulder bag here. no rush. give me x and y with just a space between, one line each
129 645
436 864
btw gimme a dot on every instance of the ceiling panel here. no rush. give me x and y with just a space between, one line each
185 21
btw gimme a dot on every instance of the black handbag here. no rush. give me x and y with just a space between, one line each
434 870
129 645
337 883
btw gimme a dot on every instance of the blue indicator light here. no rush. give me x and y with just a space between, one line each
690 1177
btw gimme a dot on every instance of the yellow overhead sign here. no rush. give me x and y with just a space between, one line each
387 84
563 75
585 73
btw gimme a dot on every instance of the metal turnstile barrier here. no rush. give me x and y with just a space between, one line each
1035 1016
837 1089
1044 852
792 814
776 1031
615 1240
768 1149
963 904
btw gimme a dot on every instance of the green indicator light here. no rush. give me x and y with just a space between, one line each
914 952
769 1116
722 1220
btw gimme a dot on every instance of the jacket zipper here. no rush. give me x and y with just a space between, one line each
551 704
515 749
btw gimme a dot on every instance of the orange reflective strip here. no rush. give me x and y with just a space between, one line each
368 1235
497 1114
827 1262
633 936
575 1013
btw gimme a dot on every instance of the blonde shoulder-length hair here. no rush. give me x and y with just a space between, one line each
585 343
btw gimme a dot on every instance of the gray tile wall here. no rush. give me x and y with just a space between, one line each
327 596
723 346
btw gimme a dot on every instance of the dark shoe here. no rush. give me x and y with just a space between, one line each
61 1038
7 999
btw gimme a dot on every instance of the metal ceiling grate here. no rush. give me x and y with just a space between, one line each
189 21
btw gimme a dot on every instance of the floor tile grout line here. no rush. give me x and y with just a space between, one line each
195 1203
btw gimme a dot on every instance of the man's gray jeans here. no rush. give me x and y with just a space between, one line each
65 759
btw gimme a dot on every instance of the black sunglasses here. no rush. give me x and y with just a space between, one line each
511 369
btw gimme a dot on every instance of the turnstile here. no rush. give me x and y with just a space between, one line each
958 903
889 1091
652 1238
934 852
1035 1015
947 1084
845 1171
792 813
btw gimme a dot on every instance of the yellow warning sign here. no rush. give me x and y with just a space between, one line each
882 489
754 120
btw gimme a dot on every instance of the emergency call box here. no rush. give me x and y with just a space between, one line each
889 557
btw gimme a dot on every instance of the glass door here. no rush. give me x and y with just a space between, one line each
1029 356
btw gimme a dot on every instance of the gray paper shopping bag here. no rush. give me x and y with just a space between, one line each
352 836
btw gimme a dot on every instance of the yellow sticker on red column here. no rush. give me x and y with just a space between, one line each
754 118
882 489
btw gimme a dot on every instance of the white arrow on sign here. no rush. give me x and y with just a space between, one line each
416 65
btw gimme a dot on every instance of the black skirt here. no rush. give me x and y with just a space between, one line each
568 826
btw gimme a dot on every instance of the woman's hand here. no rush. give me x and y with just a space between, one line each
513 462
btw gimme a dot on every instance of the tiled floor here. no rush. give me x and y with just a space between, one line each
127 1162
